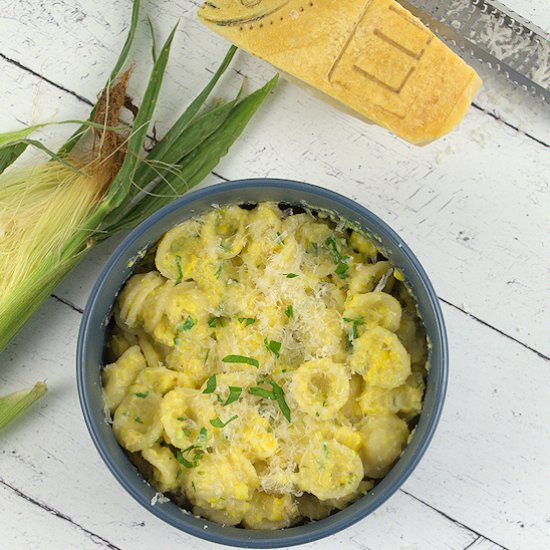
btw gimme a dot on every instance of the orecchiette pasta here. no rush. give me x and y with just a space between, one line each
381 358
119 376
373 309
165 467
384 437
329 470
320 387
136 422
267 370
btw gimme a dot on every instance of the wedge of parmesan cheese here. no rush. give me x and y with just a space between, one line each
370 56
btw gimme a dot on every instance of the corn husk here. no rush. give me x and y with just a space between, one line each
100 182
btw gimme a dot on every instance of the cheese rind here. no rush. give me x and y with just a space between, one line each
370 55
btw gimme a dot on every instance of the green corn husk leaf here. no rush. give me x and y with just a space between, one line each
197 165
119 187
54 156
122 182
9 154
11 138
166 143
191 138
200 129
170 140
153 40
121 61
14 404
19 306
162 148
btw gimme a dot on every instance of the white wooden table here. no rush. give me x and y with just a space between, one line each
474 207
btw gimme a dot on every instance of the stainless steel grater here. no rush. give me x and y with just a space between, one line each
492 34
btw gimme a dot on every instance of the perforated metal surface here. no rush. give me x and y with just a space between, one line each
493 34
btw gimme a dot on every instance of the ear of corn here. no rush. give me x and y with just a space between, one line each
14 404
52 213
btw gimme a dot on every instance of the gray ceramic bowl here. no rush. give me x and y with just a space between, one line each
93 334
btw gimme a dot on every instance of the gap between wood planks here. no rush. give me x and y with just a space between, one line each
455 521
99 539
94 536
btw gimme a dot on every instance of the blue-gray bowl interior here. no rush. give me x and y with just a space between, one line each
92 338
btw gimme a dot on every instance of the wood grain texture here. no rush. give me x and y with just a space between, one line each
473 206
488 462
24 524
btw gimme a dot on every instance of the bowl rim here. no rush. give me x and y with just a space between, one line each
321 529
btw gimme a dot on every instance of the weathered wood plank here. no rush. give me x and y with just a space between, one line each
472 206
484 544
24 524
487 464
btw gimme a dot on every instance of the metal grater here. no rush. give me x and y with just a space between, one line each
493 34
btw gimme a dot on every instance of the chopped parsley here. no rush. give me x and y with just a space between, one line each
273 346
234 394
341 269
290 275
177 340
187 463
141 394
337 258
333 249
225 247
289 311
260 392
279 239
210 385
198 451
241 359
276 394
186 432
246 321
216 322
188 324
180 272
218 271
353 332
217 423
138 420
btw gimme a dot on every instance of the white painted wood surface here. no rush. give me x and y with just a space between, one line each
473 206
